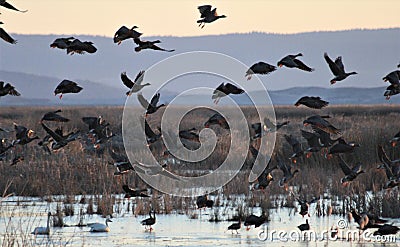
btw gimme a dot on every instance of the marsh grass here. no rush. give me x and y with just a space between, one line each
72 171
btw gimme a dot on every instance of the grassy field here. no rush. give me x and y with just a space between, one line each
73 171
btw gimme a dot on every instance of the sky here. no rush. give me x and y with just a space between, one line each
178 17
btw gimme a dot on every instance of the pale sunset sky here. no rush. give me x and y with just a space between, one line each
178 17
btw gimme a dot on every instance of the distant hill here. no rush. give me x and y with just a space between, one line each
38 90
372 53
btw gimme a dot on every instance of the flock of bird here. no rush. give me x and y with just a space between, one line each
99 131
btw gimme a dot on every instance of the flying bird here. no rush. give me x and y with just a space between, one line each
80 47
217 119
296 147
134 86
312 102
148 45
5 36
151 107
67 86
121 162
124 33
23 135
62 43
350 173
343 147
320 122
291 61
60 140
7 5
8 89
261 68
392 168
394 88
129 192
208 15
288 174
337 69
54 116
225 89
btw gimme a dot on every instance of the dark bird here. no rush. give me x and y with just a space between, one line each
313 141
350 173
265 177
387 229
288 175
7 5
190 135
319 122
204 202
260 68
269 126
235 227
254 220
80 47
16 160
304 227
393 77
134 86
391 90
5 36
23 135
217 119
312 102
62 43
208 15
150 135
4 147
67 86
392 168
343 147
124 33
304 206
121 162
291 61
395 139
45 143
60 140
337 69
8 89
225 89
148 45
325 138
53 116
149 221
151 107
129 192
99 131
296 147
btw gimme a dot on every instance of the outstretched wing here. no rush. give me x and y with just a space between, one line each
204 10
125 79
302 66
145 104
6 37
345 168
339 64
53 134
155 99
11 90
332 65
139 77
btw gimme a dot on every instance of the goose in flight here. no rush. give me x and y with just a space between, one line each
350 173
320 122
261 68
291 61
98 227
343 147
23 135
225 89
54 116
67 86
265 177
217 119
394 79
129 192
154 170
62 43
5 4
208 15
136 85
43 230
151 107
124 33
314 144
337 69
8 89
80 47
392 168
121 162
312 102
288 174
296 147
148 45
5 36
59 140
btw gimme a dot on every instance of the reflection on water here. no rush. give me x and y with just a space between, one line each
170 230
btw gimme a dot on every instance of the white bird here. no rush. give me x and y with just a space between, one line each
98 227
43 230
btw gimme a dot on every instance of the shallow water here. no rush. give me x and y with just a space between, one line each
169 230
